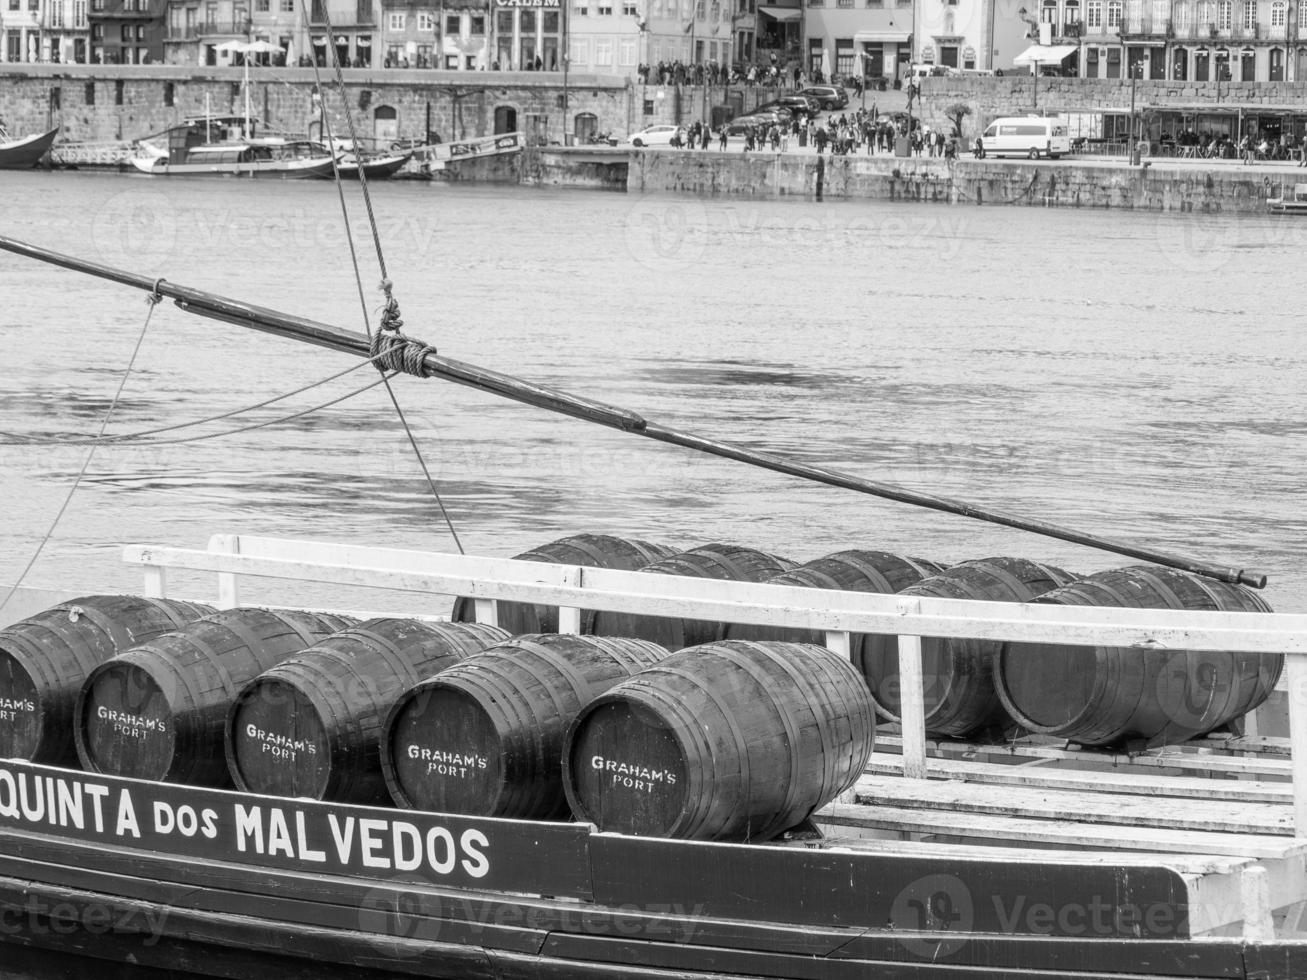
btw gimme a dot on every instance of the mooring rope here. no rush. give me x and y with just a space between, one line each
152 300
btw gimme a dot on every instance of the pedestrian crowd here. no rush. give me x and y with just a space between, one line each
860 131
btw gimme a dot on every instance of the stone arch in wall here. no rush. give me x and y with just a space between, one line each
505 119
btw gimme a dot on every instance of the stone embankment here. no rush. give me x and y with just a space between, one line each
1159 185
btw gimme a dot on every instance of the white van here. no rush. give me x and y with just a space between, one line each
1032 136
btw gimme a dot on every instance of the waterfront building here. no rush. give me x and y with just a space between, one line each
45 30
615 37
126 32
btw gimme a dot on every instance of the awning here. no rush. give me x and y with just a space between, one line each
881 37
782 13
1045 54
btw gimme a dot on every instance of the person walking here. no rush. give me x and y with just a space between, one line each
721 139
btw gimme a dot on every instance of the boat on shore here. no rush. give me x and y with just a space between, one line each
26 151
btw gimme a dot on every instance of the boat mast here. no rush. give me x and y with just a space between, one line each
507 386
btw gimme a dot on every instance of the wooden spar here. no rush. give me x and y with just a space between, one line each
508 386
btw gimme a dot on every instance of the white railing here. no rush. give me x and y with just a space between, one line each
839 614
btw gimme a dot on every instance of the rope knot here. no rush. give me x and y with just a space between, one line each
392 351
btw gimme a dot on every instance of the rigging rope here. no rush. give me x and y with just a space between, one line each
152 300
390 319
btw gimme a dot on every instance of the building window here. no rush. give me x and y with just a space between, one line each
816 3
1182 17
426 21
126 32
629 9
89 97
603 51
395 20
453 25
1113 14
628 51
875 3
118 92
140 32
605 8
15 5
169 94
1224 15
262 6
581 8
1279 13
478 25
844 56
1249 15
579 51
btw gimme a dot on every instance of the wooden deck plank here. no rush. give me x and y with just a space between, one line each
1051 777
1195 760
1067 833
1132 811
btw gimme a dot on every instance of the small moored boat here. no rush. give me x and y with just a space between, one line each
1295 202
25 152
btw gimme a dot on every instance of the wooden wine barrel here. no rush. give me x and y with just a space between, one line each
846 571
716 561
159 711
1110 695
485 737
591 550
44 660
734 740
311 726
957 674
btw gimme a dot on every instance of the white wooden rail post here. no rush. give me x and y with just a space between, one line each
912 708
156 581
840 641
487 611
569 617
1296 669
228 585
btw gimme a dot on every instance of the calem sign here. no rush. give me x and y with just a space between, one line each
295 835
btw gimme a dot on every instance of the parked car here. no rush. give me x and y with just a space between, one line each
777 107
661 135
794 103
829 96
763 120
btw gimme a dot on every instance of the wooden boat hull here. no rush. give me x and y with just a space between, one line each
377 168
283 169
23 154
216 882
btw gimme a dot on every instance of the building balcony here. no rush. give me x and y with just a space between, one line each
1145 28
191 33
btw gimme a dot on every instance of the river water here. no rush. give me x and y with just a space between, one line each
1135 375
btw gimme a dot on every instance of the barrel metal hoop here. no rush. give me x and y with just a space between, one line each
120 637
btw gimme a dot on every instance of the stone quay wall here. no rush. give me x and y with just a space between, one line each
125 102
1156 187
